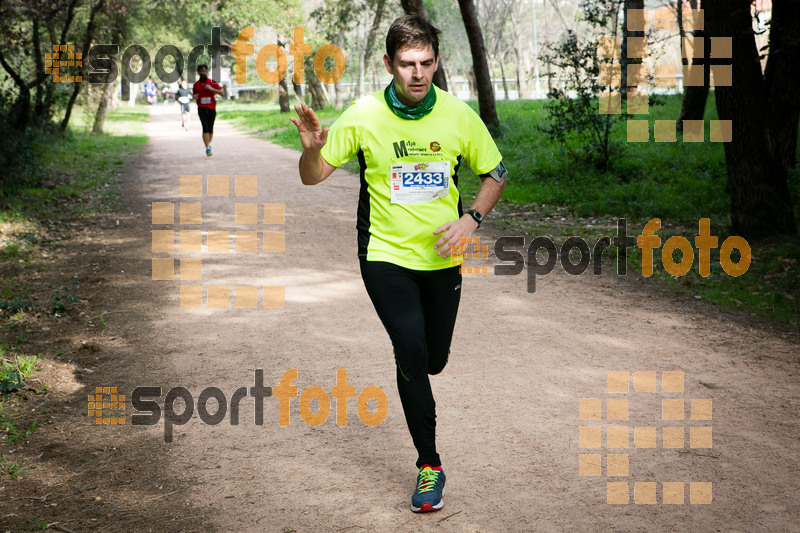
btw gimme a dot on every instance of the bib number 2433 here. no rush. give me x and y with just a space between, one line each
419 182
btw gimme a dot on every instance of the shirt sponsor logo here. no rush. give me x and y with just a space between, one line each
400 149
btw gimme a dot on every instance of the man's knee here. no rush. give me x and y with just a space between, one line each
437 364
411 361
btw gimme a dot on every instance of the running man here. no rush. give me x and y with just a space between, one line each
410 140
151 91
184 97
205 90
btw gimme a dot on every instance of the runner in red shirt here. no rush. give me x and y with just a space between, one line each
205 90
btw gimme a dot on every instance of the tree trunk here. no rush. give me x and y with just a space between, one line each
283 95
317 95
520 48
505 83
298 92
560 14
283 86
23 103
360 67
39 108
760 201
49 90
339 101
782 80
549 77
372 33
314 86
87 43
417 7
108 91
105 100
625 60
482 77
693 105
473 87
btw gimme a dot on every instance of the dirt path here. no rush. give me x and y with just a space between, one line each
508 400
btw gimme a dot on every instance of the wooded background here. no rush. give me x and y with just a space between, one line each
508 47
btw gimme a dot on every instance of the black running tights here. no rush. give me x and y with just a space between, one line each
418 309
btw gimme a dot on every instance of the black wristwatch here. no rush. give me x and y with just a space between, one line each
476 216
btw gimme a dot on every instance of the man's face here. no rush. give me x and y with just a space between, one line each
202 72
412 69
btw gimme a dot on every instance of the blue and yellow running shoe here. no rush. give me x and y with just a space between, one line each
430 489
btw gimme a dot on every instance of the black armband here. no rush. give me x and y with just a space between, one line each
498 174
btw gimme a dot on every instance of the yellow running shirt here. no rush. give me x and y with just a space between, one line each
409 173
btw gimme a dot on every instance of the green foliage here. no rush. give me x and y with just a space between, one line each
20 155
13 434
73 174
678 182
61 300
770 288
13 373
573 118
12 470
266 120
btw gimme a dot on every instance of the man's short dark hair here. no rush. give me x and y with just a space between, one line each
202 65
411 31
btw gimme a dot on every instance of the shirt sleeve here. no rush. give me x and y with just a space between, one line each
344 138
478 146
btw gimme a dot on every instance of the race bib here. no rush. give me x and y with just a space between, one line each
205 100
183 99
414 183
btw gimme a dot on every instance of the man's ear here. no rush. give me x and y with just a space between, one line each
388 64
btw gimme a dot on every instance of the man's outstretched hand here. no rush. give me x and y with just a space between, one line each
312 136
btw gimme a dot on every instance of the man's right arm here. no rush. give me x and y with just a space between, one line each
313 167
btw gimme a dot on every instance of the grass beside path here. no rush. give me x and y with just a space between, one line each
551 193
74 176
76 173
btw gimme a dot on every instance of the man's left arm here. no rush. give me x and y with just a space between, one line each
488 195
215 88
